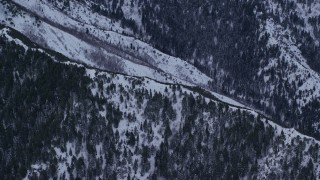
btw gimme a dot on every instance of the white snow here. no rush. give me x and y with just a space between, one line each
104 32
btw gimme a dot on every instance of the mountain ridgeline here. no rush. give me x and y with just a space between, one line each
63 120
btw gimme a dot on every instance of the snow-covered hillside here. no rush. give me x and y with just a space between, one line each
94 39
137 100
97 41
297 72
123 89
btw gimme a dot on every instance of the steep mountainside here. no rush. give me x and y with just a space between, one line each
262 53
161 89
65 120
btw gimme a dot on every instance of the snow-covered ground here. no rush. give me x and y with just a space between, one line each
83 35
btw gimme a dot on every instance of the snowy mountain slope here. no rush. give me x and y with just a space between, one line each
152 84
280 78
94 40
262 53
137 99
291 137
72 119
155 86
297 72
